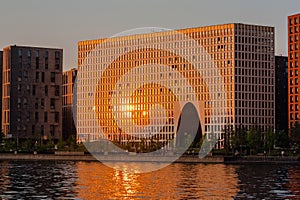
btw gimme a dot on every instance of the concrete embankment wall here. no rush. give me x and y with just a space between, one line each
78 156
108 158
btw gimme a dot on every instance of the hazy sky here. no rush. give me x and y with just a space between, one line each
62 23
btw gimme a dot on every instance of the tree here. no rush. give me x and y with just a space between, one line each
254 138
269 140
228 133
282 139
239 137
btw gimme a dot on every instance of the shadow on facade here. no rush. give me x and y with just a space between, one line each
189 127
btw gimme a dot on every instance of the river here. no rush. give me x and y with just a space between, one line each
93 180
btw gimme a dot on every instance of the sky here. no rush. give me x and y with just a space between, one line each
62 23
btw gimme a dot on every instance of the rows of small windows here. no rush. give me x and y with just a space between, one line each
39 76
254 112
22 103
294 98
41 129
255 104
294 72
254 56
32 90
242 79
294 81
294 38
294 116
294 29
294 55
27 115
258 95
260 121
294 20
294 90
294 107
26 59
155 38
294 47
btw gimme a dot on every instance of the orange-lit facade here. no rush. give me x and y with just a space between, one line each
294 60
243 55
69 79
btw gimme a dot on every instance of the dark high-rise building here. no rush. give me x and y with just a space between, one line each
69 78
294 59
32 97
281 84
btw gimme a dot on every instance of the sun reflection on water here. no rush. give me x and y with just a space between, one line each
178 181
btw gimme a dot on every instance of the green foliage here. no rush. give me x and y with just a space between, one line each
254 139
282 139
269 140
239 137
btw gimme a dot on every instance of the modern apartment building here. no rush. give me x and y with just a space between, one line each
243 56
281 85
69 79
294 60
1 62
32 97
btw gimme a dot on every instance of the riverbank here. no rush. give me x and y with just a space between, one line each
140 158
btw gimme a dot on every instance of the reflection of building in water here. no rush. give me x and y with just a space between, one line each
294 180
244 59
263 182
178 181
5 179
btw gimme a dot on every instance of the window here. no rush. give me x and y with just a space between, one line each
19 88
33 90
57 90
25 103
20 52
45 117
57 66
52 77
42 103
46 90
26 75
57 55
28 58
52 130
37 59
42 130
19 76
19 116
36 116
52 103
37 77
32 129
56 117
19 103
43 77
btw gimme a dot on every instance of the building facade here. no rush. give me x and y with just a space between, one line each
69 79
294 59
1 63
242 54
281 85
32 97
